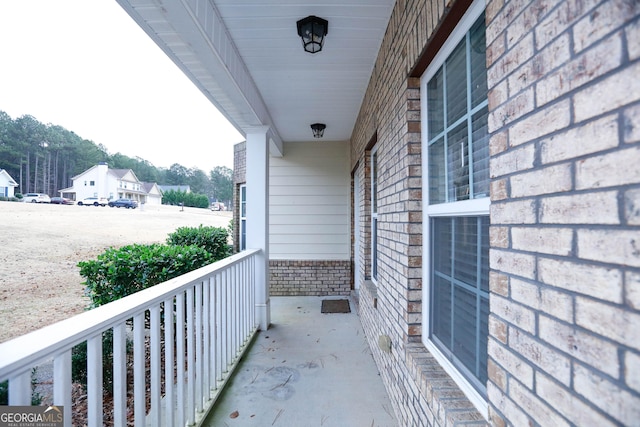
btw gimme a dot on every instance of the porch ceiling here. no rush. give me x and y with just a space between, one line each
246 57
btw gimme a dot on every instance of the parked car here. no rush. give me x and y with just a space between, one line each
124 203
94 201
218 206
61 201
36 198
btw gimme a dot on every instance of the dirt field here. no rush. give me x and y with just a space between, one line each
40 246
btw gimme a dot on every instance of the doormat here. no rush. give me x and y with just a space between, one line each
335 306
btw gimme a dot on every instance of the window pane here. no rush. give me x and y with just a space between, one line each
374 248
458 163
483 341
243 234
466 250
460 299
243 201
435 101
478 60
441 310
441 245
437 173
374 182
456 77
464 328
480 146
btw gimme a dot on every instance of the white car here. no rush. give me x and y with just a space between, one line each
36 198
94 201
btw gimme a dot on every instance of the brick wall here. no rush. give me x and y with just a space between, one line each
311 277
420 390
564 106
564 93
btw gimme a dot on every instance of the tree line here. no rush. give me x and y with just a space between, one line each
43 158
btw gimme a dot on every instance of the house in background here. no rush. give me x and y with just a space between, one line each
153 193
100 181
7 184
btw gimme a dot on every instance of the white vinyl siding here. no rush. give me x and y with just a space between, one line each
309 196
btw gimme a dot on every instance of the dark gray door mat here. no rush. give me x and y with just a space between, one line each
335 306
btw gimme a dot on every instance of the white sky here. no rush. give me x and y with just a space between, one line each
86 65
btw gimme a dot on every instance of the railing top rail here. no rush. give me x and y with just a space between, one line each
24 352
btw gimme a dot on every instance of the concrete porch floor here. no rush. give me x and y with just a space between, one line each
308 369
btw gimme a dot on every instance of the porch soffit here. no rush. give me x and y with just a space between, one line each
193 35
247 59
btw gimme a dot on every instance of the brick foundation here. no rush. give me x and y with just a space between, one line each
310 278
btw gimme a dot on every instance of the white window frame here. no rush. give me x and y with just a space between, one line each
373 158
473 207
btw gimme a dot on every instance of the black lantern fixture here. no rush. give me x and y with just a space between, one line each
312 30
318 129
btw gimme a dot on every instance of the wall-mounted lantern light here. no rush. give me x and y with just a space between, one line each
318 129
312 31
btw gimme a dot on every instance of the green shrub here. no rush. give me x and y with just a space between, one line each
212 239
117 273
177 197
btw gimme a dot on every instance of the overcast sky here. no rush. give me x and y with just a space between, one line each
86 65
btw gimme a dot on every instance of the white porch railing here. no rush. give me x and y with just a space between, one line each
208 315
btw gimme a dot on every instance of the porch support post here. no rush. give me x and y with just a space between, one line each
257 176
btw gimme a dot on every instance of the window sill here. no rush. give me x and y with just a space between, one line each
372 289
439 390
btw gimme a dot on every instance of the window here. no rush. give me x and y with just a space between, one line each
374 214
243 217
92 183
456 256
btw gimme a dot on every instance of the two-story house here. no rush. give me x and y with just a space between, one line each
100 181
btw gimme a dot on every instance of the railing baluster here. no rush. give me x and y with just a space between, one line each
206 335
20 389
224 331
198 354
213 348
252 267
219 329
236 312
228 324
139 405
245 298
94 381
120 374
241 306
191 409
168 363
180 358
62 384
155 365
